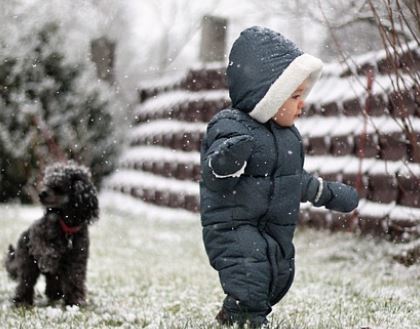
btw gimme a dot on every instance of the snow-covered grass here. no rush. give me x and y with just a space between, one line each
146 273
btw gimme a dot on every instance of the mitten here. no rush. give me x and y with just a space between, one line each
231 155
340 197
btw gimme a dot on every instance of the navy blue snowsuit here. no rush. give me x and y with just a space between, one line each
253 178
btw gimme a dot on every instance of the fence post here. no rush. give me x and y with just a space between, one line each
102 54
213 39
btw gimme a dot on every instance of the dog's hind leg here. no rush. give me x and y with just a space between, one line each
26 270
28 276
53 289
10 263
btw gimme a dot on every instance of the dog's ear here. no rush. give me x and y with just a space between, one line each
85 200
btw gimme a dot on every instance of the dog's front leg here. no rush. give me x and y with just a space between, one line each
53 289
74 280
75 288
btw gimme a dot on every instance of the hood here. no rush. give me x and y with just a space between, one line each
265 69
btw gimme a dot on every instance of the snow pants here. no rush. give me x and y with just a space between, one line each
255 269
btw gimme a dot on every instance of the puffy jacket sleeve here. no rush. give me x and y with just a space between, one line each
333 195
225 150
310 186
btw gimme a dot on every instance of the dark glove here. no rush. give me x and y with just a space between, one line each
231 155
342 197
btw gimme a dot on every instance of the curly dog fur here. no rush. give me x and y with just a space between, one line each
57 245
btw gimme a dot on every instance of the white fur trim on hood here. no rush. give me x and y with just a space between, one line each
302 67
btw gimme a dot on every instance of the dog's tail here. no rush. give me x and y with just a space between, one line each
10 263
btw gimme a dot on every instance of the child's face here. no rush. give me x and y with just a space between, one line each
292 108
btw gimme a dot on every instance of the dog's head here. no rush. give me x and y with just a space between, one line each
69 191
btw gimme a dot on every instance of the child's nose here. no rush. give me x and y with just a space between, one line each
301 104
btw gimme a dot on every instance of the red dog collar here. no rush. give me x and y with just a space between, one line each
69 229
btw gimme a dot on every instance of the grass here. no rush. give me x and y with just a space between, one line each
146 273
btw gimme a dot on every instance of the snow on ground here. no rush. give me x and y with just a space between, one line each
155 274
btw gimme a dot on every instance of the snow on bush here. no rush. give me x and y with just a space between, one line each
52 105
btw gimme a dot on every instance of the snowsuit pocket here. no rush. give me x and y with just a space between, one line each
286 200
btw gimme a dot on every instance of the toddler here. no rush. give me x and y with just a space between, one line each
253 178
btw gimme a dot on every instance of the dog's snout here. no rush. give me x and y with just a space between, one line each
43 195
